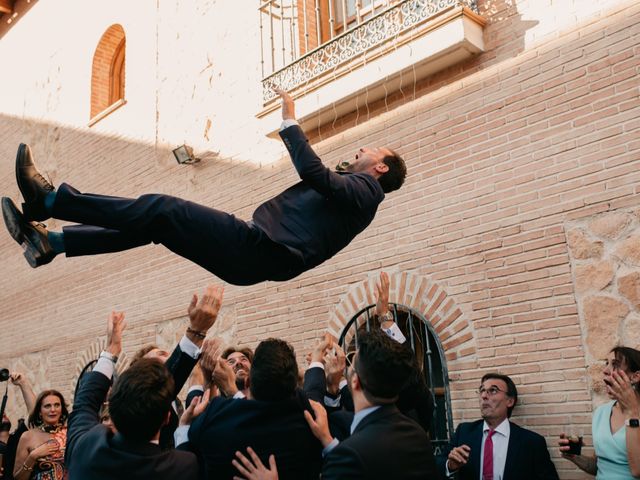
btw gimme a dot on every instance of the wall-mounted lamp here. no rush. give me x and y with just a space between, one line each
184 155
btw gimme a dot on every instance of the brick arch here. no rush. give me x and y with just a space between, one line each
93 352
108 70
421 294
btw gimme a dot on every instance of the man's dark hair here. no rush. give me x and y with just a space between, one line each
383 365
140 399
246 351
141 353
274 371
35 419
394 177
631 358
512 391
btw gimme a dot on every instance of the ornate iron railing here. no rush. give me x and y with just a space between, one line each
430 354
287 33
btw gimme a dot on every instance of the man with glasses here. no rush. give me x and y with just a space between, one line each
495 448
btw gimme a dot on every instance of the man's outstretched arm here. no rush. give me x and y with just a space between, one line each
356 191
93 390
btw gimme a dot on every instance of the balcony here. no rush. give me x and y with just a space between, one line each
336 56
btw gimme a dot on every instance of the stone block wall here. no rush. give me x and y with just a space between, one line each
605 263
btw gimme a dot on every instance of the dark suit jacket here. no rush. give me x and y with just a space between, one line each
93 452
277 428
385 445
527 454
180 365
319 216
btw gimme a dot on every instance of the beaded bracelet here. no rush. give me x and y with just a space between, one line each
197 333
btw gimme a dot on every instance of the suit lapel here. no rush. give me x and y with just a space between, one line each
476 447
510 466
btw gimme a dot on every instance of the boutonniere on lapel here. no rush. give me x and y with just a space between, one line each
342 166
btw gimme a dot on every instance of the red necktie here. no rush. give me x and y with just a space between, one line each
487 460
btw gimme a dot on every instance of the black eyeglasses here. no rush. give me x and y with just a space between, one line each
491 391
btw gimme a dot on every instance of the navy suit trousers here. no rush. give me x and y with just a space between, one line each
236 251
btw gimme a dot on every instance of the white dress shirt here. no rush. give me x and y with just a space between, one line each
500 445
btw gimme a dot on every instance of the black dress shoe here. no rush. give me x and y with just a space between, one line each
33 186
32 236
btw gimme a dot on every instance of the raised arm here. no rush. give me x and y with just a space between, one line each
203 313
355 191
26 389
93 390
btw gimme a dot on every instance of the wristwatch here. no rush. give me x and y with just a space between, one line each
387 317
109 356
632 423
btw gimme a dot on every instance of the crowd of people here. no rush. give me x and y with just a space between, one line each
253 414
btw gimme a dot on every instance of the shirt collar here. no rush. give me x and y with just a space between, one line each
357 418
503 429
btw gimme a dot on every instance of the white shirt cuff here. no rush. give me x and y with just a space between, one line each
188 347
105 367
288 123
181 435
394 332
342 384
195 387
334 443
316 365
448 473
239 394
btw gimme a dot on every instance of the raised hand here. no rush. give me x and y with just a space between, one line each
335 368
382 294
288 105
210 352
116 324
321 348
203 313
622 390
225 378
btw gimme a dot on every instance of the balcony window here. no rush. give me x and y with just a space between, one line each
341 48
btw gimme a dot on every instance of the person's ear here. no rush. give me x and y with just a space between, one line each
167 418
382 168
355 382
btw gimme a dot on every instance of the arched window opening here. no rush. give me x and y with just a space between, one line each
429 353
108 73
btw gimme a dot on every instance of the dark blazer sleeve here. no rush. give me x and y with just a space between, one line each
315 384
343 462
85 415
180 365
360 191
544 469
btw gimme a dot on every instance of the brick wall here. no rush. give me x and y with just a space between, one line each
506 152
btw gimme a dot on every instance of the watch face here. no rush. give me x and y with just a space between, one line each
634 422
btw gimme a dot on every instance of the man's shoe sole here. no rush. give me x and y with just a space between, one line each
37 251
11 216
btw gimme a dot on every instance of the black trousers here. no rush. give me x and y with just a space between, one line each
236 251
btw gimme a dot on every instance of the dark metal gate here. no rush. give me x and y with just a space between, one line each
428 350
